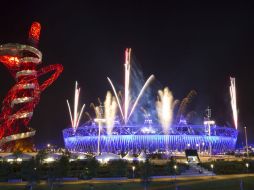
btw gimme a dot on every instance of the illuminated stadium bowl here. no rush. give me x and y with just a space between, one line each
140 137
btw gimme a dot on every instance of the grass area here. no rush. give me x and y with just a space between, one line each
191 184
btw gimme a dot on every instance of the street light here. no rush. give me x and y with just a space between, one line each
247 166
133 170
99 121
212 168
203 144
175 168
198 148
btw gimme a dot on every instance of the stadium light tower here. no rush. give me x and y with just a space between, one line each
208 122
246 141
100 120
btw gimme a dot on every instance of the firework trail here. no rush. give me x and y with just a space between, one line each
117 97
232 90
126 110
75 115
164 106
149 80
183 105
110 106
127 67
99 115
144 110
99 100
89 116
190 115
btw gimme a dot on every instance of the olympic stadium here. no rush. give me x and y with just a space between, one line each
137 138
172 133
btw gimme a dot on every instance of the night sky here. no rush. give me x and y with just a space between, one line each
185 45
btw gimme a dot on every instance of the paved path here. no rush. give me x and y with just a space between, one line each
180 179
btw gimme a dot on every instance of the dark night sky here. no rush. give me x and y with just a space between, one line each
185 45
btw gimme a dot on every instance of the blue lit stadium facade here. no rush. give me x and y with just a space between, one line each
140 137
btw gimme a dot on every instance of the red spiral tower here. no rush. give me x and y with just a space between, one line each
22 61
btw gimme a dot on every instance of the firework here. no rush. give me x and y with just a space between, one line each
126 110
232 90
117 97
149 80
75 115
184 104
110 107
127 67
164 106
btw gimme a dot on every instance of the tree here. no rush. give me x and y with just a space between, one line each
58 170
67 154
92 166
29 172
17 154
5 171
170 167
62 167
42 154
51 175
146 172
118 168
